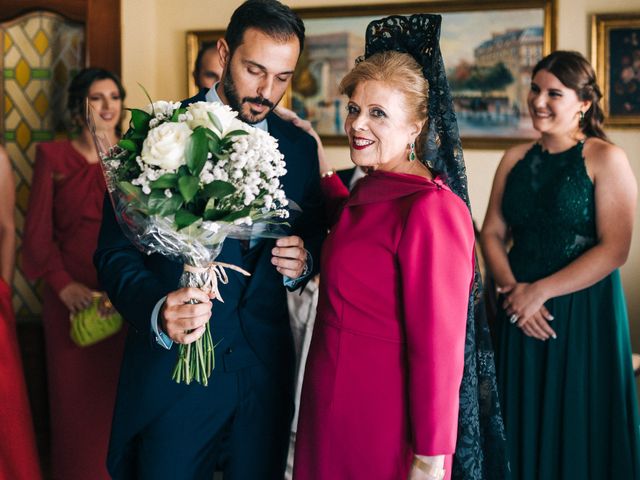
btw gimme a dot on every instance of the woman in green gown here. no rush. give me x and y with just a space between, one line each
566 203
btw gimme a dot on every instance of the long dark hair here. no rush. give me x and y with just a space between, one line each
79 90
269 16
576 73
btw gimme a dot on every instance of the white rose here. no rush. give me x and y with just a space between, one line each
200 117
165 145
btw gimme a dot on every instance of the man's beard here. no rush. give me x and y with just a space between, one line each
230 91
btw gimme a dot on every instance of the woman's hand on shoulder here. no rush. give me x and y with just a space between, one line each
305 126
76 296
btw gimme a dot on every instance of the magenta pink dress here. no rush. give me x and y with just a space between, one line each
387 354
61 235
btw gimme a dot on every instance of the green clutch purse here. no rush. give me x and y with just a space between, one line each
96 322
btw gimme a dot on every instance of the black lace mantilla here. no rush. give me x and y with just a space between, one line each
480 451
419 36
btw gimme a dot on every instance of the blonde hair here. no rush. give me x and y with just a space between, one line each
399 70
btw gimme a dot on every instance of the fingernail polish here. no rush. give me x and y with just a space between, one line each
551 317
554 336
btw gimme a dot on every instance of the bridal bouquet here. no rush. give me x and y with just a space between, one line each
182 180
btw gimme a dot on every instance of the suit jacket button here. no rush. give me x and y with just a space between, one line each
229 351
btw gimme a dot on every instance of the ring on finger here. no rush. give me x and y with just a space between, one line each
513 318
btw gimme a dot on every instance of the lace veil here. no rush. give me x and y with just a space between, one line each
480 451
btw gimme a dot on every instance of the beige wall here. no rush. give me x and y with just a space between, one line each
154 55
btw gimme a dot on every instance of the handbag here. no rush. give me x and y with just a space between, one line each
96 322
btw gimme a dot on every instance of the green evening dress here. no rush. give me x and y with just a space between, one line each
569 404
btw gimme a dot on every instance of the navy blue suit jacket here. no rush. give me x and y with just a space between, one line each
256 305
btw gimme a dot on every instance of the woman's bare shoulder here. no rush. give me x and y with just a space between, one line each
603 156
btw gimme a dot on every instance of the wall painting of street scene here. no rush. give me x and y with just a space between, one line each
489 50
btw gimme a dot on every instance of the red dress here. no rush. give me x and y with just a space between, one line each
18 455
60 237
386 358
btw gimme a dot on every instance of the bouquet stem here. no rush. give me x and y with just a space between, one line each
196 360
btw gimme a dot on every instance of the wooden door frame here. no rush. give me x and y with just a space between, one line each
101 19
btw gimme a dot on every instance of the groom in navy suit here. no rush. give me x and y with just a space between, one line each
240 422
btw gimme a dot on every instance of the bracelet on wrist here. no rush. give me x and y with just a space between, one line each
434 472
328 174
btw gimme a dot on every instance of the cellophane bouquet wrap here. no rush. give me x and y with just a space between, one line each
181 181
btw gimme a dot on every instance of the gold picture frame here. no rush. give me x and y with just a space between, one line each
537 18
617 63
196 39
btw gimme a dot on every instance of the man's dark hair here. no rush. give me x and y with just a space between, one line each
205 46
269 16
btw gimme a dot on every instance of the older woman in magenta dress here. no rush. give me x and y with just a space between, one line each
380 396
61 232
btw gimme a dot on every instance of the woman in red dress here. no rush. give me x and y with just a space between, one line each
61 232
18 455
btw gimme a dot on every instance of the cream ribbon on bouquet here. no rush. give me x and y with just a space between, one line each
215 273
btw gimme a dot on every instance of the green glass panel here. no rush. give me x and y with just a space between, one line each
42 135
41 73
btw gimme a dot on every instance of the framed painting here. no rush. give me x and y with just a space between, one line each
489 50
615 54
197 39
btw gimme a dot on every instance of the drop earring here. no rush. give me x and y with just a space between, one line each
412 151
581 120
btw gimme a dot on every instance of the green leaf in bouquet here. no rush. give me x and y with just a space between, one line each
160 204
130 190
236 215
147 95
134 135
140 119
168 180
197 151
215 121
184 218
211 134
221 156
176 113
214 140
188 187
213 146
218 189
129 145
236 133
213 214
